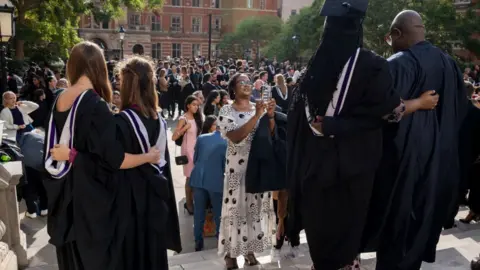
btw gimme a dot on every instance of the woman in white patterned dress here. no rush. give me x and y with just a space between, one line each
247 222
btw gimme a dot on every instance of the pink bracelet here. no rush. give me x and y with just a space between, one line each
72 155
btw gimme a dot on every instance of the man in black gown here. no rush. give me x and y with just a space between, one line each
420 160
333 157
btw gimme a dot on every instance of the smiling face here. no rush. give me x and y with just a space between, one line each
243 87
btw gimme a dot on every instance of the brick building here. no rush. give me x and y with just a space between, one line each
180 29
468 56
292 7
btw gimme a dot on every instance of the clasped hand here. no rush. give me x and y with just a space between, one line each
261 106
61 152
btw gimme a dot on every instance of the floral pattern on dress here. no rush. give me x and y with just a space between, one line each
247 222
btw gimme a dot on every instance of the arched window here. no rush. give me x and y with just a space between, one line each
100 43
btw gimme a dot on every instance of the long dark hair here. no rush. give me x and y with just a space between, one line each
341 38
232 83
197 116
223 93
207 125
209 108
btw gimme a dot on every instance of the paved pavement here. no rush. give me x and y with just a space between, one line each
457 246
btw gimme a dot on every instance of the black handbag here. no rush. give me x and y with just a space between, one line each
182 159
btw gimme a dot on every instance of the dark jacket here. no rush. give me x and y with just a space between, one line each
267 161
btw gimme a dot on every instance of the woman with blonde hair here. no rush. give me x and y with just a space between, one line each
280 92
81 157
16 114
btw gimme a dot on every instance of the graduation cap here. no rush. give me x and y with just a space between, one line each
344 8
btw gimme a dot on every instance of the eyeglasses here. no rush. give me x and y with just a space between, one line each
397 31
245 83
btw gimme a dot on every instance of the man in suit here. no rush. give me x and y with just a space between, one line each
206 178
208 86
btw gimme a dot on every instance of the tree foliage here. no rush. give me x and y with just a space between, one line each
50 27
442 21
251 34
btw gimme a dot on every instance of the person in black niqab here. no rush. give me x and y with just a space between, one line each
335 136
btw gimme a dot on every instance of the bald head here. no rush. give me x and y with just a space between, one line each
407 30
409 22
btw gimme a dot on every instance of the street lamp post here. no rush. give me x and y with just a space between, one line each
296 40
121 33
7 31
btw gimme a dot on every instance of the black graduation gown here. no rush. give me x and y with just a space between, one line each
469 152
419 176
148 214
187 90
283 103
330 178
81 213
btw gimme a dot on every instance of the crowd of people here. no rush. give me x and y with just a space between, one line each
379 155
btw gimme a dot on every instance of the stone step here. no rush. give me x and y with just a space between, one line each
454 252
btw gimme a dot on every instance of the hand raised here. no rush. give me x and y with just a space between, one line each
271 106
259 108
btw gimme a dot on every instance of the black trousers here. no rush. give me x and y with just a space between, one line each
292 234
34 191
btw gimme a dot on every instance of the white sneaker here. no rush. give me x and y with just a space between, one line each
44 213
33 215
276 255
294 252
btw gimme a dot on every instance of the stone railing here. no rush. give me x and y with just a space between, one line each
8 260
11 236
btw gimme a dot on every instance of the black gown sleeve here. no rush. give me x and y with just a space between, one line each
102 138
341 126
380 102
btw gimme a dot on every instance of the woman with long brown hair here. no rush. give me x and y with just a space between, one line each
148 211
82 155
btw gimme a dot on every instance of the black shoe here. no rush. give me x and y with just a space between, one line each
198 246
185 208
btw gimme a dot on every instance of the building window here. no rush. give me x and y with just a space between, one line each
105 24
196 3
196 22
156 26
196 50
176 23
293 12
134 19
217 24
249 3
176 50
157 51
217 3
262 4
176 3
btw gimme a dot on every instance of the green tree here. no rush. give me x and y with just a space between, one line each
442 21
41 23
252 33
306 26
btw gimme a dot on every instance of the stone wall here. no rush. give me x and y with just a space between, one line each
13 246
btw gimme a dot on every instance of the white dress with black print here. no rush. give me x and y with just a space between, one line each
247 222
